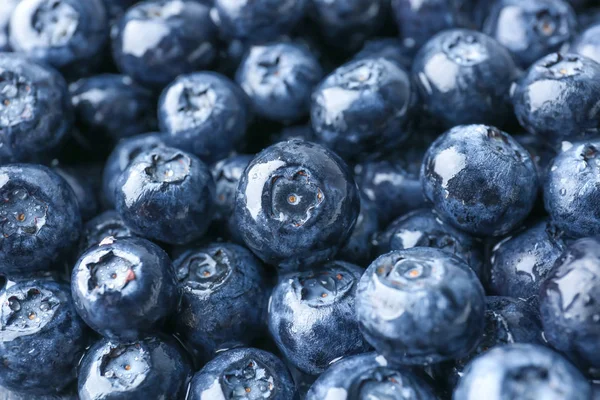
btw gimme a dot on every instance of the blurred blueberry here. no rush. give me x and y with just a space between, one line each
82 187
6 9
389 48
358 248
107 224
588 43
227 174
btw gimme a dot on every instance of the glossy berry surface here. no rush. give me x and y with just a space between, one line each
464 77
479 179
167 195
296 204
39 218
107 224
312 316
150 368
39 328
224 297
124 289
156 41
420 306
244 373
588 43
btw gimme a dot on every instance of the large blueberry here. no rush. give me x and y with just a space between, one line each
557 98
357 97
154 368
279 78
203 113
224 297
420 306
572 189
479 179
464 77
521 371
67 34
41 337
245 373
296 204
166 194
570 304
156 41
312 317
424 228
227 174
35 112
107 224
588 43
358 248
39 218
125 288
520 263
6 9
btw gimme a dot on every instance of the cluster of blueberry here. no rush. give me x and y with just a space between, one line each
299 199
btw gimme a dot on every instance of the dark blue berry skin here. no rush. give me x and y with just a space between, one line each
570 304
530 29
296 204
204 113
464 77
358 96
66 34
110 107
312 317
420 306
571 190
35 111
480 180
107 224
347 24
122 155
557 96
541 153
156 41
69 394
588 43
116 8
257 21
368 376
6 10
83 188
507 320
39 218
520 263
358 248
154 368
424 228
230 375
391 49
125 288
167 195
520 371
224 297
227 174
279 78
42 337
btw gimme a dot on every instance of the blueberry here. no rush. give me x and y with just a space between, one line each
167 195
109 107
358 248
156 41
116 8
227 174
530 29
520 263
66 34
41 337
35 113
244 373
423 228
83 188
312 317
224 297
464 77
541 153
296 204
479 179
154 368
303 132
257 21
203 113
420 306
571 190
588 43
569 304
279 79
557 96
39 218
125 288
357 97
6 9
368 376
521 371
107 224
122 155
389 48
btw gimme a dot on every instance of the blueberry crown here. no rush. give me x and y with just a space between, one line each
26 311
248 379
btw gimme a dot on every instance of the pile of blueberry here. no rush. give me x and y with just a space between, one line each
299 199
